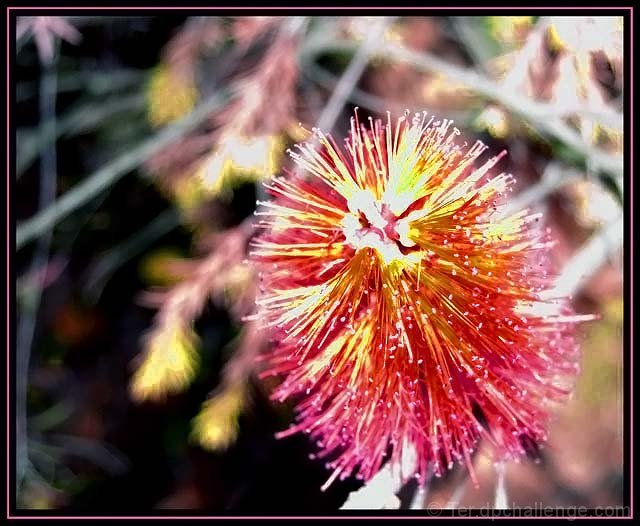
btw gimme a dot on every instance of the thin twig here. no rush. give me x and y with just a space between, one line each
500 500
79 119
27 321
475 41
348 80
368 100
112 172
351 75
554 177
327 80
93 83
588 259
295 25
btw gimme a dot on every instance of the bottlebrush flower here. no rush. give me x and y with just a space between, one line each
406 311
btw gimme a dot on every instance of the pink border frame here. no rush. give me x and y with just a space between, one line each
428 514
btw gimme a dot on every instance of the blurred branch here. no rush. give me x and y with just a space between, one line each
555 176
83 21
295 25
77 120
365 99
593 254
112 172
327 80
477 43
542 116
94 82
589 258
351 76
28 317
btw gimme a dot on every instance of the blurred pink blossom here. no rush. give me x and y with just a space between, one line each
44 30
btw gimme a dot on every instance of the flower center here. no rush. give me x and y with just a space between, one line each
370 223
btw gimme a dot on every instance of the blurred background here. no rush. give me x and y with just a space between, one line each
141 143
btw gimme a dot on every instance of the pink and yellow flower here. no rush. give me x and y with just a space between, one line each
406 309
